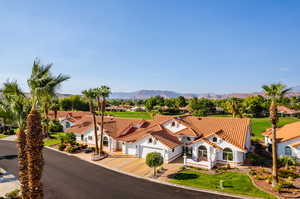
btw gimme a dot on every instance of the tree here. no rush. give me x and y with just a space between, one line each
150 103
154 160
234 106
180 101
202 107
274 92
254 106
19 107
41 83
102 93
90 95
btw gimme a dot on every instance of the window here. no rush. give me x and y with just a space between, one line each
68 125
173 150
227 154
202 153
150 140
105 141
188 138
90 137
81 137
288 151
173 124
215 139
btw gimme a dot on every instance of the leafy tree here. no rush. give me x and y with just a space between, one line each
202 107
234 106
90 95
150 103
75 102
180 101
154 160
254 106
274 92
55 126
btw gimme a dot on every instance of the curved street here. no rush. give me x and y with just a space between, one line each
67 177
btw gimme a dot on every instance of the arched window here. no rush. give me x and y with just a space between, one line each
215 139
202 153
150 140
227 154
105 141
287 151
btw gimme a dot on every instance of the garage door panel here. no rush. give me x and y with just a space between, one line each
146 150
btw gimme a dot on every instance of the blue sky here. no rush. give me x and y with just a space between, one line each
219 46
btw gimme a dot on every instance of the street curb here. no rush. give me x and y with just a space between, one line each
158 181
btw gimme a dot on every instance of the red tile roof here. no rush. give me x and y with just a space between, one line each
287 132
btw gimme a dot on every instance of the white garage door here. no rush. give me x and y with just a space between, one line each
145 150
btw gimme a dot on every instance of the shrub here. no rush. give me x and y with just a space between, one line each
255 159
287 161
71 149
182 168
154 160
55 126
252 172
285 173
278 187
15 194
62 147
259 177
69 138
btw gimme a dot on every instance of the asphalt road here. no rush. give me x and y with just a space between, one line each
67 177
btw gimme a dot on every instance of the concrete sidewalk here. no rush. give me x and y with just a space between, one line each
8 182
9 138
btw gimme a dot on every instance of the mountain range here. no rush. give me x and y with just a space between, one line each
145 94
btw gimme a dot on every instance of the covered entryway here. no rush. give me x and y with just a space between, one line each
144 150
202 153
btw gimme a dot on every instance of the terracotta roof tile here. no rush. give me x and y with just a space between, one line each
287 132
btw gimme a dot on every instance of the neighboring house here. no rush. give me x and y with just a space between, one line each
206 141
67 118
210 141
285 111
288 140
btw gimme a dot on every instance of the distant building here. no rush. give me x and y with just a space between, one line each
285 111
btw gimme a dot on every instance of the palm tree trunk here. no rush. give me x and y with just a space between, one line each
274 156
55 114
99 105
102 124
35 159
23 163
95 132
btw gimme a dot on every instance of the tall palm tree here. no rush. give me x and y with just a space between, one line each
102 93
90 95
19 106
41 83
274 92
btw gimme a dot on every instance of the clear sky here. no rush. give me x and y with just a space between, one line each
219 46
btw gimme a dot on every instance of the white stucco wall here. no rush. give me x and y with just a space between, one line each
295 150
142 147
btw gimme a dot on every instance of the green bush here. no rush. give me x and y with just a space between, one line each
285 173
252 172
62 147
71 149
55 126
68 138
255 159
15 194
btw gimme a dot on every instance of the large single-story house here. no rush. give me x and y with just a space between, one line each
288 140
67 118
206 141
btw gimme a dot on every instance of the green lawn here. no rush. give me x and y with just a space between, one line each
3 136
259 125
142 115
233 182
54 140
